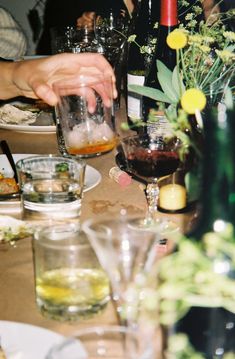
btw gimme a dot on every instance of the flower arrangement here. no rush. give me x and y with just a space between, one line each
204 72
193 8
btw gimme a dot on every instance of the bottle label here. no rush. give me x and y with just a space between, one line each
134 108
159 127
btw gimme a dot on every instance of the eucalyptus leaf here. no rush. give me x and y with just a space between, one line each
165 79
177 83
162 68
150 92
228 99
230 48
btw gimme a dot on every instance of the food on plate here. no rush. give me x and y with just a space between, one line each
22 113
8 185
35 106
10 114
12 229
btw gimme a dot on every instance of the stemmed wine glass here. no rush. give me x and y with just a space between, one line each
111 32
149 159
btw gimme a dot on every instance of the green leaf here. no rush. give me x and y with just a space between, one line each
230 47
165 79
161 67
228 99
177 83
150 92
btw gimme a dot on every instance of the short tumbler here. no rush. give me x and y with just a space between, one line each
85 121
51 187
69 282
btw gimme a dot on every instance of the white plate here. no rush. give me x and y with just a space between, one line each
92 176
32 128
24 341
28 128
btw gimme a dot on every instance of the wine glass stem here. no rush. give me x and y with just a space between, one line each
152 193
126 311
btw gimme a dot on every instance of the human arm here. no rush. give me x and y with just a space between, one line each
35 78
210 8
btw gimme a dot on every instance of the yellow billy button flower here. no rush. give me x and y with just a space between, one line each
193 100
177 39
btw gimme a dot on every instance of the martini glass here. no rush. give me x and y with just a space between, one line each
127 254
150 159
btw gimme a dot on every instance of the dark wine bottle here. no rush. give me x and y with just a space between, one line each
168 22
218 171
210 328
138 63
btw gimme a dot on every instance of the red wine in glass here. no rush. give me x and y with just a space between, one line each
152 163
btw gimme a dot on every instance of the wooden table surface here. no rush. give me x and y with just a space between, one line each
17 301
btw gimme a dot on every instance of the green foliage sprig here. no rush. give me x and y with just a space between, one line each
198 274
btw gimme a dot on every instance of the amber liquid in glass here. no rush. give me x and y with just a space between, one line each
93 148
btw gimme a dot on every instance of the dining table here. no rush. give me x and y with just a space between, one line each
17 296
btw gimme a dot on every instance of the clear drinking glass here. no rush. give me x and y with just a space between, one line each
86 41
111 31
70 284
51 187
85 120
63 39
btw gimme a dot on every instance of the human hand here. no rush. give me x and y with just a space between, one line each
87 19
89 88
35 78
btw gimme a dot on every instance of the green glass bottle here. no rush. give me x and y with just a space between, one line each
194 281
209 323
218 178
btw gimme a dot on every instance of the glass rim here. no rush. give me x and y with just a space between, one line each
84 80
107 222
97 330
86 226
102 329
40 238
145 138
50 156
